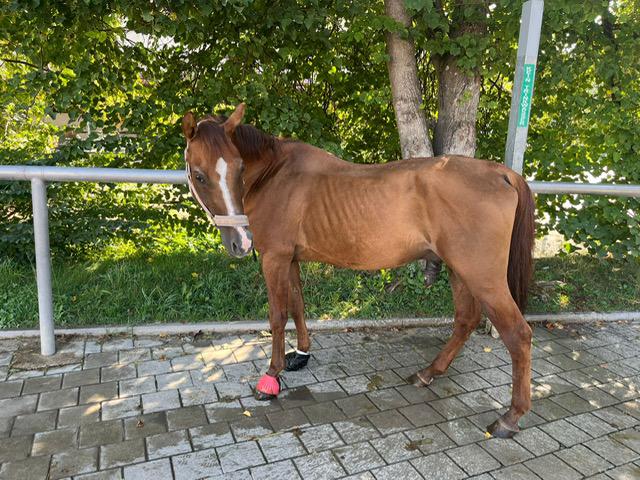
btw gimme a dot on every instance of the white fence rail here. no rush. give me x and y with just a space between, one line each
38 176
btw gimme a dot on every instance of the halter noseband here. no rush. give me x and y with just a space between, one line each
217 220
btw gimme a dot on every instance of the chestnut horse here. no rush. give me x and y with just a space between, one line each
304 204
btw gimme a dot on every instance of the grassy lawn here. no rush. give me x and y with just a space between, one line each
207 285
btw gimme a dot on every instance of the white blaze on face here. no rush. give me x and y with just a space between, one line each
221 169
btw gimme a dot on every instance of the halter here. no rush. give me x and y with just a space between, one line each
217 220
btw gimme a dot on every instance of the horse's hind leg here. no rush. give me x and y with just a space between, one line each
467 317
297 359
516 335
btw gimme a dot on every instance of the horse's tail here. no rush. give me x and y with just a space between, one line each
520 270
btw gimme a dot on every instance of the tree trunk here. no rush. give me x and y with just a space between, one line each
458 97
405 88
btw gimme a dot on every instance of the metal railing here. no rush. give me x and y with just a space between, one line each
39 175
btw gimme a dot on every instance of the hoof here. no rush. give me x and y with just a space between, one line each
294 361
268 388
501 429
417 380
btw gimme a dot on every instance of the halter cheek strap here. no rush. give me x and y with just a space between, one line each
217 220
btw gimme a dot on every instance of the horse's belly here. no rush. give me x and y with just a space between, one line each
374 253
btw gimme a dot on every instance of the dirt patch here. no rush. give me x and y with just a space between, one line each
28 356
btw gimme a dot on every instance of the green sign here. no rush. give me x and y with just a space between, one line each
524 107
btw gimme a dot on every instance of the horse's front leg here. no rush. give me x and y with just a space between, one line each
300 356
276 275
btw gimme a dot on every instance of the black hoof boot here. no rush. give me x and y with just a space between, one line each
418 381
294 361
502 429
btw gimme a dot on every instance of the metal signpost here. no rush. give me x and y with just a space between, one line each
530 26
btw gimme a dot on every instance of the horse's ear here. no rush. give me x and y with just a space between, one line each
189 125
234 120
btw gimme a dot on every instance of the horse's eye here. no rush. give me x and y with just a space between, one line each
199 178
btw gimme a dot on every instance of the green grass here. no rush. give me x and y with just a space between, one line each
192 286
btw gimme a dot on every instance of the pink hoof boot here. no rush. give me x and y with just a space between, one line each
267 388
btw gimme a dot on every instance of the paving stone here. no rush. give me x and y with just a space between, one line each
537 441
321 465
285 419
47 443
416 395
506 451
10 389
250 428
473 459
15 448
358 457
462 431
134 355
81 414
58 399
583 460
591 424
259 407
184 418
73 462
198 395
390 421
153 470
123 453
616 417
479 401
403 470
514 472
551 467
281 446
80 378
34 422
11 407
165 444
113 474
320 438
172 381
325 412
421 414
449 408
445 387
100 433
153 367
34 468
137 386
42 384
629 438
142 426
356 405
203 463
284 470
98 393
94 360
155 402
438 462
549 410
5 426
387 399
239 456
596 397
121 408
565 433
212 435
395 448
117 372
356 430
231 390
625 472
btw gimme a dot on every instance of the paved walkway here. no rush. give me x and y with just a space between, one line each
182 407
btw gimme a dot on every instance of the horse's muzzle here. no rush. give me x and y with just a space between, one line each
237 240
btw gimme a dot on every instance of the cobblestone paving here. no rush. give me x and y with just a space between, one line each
182 407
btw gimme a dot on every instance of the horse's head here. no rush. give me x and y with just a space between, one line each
214 170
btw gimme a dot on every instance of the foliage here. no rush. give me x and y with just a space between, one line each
198 282
125 71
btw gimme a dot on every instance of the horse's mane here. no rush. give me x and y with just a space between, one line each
250 142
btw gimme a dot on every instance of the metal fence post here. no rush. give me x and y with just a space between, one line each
43 265
522 94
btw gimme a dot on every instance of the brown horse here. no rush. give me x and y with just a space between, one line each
304 204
